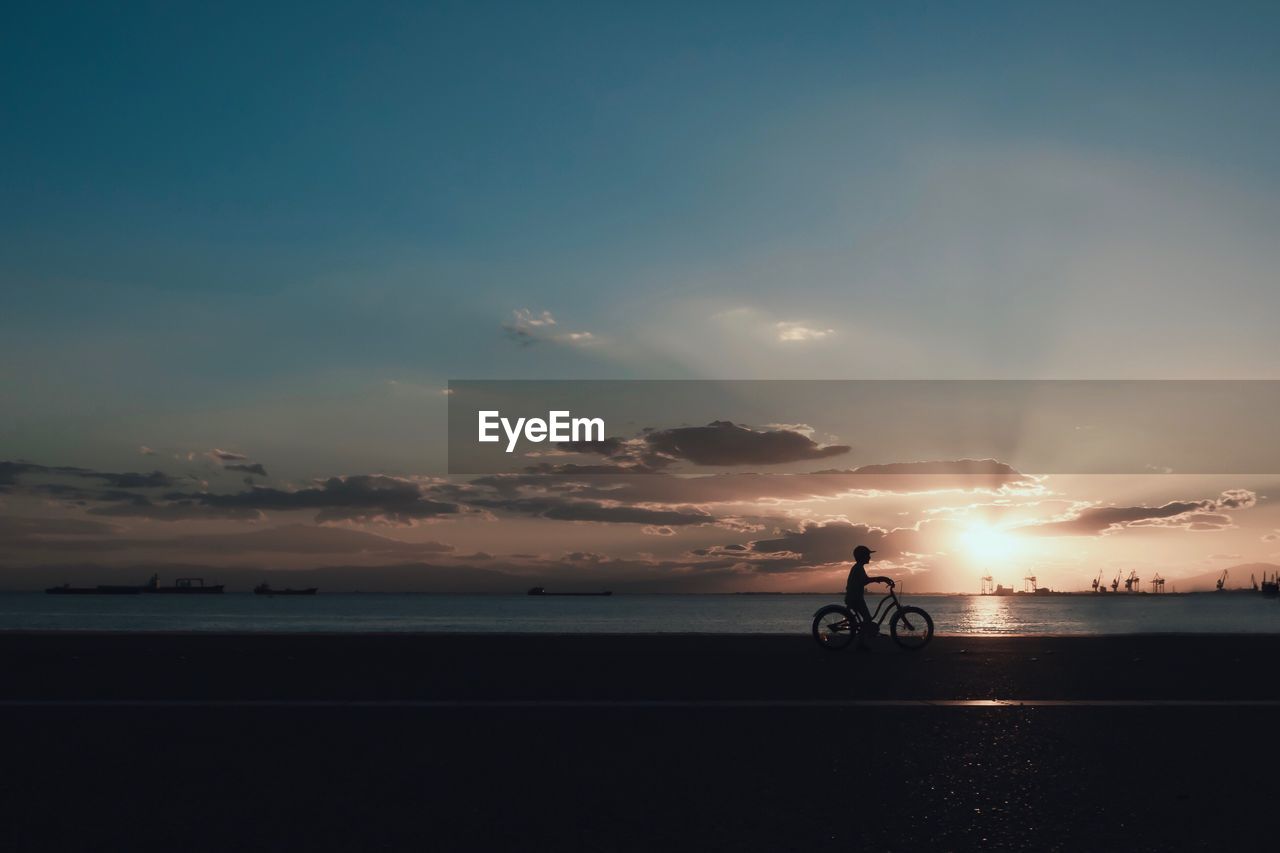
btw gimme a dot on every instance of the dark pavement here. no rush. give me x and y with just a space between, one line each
698 776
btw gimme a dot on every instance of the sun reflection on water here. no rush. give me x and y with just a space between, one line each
987 614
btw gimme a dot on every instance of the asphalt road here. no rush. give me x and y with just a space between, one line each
710 743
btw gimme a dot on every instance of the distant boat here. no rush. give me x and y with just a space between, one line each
265 589
101 589
183 586
537 590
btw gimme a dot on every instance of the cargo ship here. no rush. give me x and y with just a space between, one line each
101 589
537 590
183 586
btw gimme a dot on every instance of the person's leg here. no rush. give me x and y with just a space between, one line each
858 604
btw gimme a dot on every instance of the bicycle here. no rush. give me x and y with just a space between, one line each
836 626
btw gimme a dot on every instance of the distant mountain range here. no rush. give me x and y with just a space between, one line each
1237 577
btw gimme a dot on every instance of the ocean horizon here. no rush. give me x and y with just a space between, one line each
639 613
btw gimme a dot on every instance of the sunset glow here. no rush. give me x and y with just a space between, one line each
986 543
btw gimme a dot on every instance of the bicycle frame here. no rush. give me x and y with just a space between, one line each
884 608
892 595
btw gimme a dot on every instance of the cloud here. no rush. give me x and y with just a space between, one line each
789 332
154 480
563 509
10 472
639 484
226 455
363 497
817 545
1201 515
84 535
1237 499
724 443
300 539
719 443
527 328
834 541
368 497
147 451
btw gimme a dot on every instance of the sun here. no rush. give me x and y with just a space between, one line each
988 543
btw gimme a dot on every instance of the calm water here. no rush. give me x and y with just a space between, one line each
763 614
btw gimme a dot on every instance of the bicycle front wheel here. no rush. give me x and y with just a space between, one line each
911 628
834 627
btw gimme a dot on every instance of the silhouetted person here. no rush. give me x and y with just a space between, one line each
855 590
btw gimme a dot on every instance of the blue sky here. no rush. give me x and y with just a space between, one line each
272 194
246 246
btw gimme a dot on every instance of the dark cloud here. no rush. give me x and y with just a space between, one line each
973 470
46 536
10 472
618 484
834 541
305 539
366 497
154 480
362 497
723 443
719 443
561 509
1193 515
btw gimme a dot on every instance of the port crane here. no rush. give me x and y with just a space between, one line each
1029 583
1115 584
1253 582
988 585
1098 585
1133 582
1157 583
1222 581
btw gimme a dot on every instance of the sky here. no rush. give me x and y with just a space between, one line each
248 246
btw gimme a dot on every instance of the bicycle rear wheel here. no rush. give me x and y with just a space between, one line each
911 628
834 627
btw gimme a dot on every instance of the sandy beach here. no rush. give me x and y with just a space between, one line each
269 742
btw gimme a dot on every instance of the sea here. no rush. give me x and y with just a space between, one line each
1230 612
